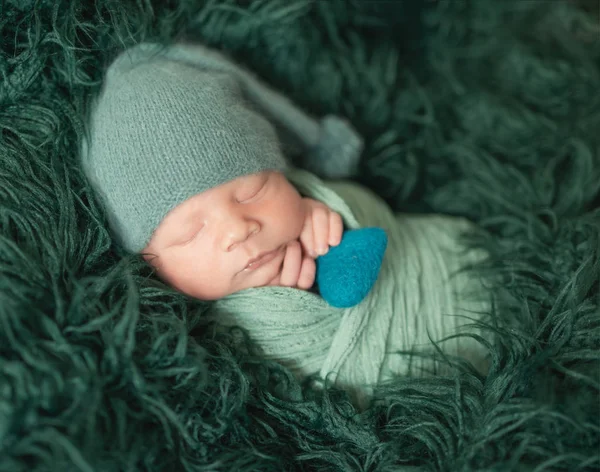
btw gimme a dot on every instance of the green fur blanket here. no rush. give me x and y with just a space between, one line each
485 109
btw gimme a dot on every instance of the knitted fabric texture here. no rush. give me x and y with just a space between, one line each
172 122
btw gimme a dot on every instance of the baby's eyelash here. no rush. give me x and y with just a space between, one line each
189 240
192 237
254 193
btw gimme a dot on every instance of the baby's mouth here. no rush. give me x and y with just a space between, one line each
262 259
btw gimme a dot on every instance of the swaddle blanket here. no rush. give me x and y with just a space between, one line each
418 297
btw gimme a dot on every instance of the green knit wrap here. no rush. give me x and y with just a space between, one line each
425 292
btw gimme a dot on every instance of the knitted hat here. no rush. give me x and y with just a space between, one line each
170 123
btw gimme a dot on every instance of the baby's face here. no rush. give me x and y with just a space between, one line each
228 238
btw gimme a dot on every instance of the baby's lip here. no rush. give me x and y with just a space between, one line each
261 259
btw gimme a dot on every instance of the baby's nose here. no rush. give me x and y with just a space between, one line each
238 230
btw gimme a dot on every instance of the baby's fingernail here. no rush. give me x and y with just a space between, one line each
322 250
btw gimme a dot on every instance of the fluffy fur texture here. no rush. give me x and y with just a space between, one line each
489 110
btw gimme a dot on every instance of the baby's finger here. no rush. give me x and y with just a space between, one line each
336 228
321 230
291 265
307 238
306 279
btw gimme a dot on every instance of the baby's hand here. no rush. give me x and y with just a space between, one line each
298 270
323 227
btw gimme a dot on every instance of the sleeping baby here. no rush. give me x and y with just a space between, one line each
190 156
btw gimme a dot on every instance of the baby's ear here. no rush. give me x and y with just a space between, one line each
150 257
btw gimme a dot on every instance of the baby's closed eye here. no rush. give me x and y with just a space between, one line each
253 189
188 235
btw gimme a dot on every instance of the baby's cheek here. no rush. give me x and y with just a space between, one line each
297 216
198 277
284 218
212 287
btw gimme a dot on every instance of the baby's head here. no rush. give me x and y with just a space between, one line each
191 176
228 238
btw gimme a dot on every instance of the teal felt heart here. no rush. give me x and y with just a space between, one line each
346 274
